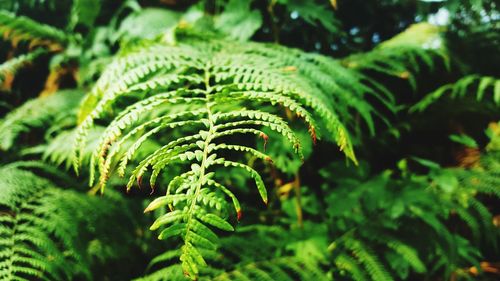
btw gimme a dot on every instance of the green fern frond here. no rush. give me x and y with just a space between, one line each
221 89
169 273
283 254
11 66
36 212
46 232
482 87
283 268
402 62
404 55
37 113
366 256
348 265
19 28
409 254
58 150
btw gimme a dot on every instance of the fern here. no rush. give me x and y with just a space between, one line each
10 67
403 56
20 28
46 232
221 82
484 87
367 257
284 268
37 113
350 266
283 254
36 211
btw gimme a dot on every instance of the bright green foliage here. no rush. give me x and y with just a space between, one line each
482 88
225 86
38 113
20 28
43 228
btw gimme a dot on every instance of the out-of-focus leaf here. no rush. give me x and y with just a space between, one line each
313 13
465 140
147 24
84 12
238 21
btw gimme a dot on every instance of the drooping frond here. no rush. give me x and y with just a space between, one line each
19 28
10 67
58 150
473 87
210 90
37 113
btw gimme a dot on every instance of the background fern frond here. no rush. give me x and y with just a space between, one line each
47 232
37 113
20 28
482 88
10 67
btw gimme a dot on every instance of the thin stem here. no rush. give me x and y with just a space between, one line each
211 131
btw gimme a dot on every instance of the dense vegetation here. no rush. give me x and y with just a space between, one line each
249 140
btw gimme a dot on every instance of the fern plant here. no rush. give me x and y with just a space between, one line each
20 28
483 87
374 219
10 67
404 56
225 87
46 231
53 111
283 254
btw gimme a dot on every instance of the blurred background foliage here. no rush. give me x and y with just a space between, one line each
423 203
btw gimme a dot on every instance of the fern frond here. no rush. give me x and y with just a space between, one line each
58 150
212 90
366 256
404 55
37 212
401 62
482 88
409 254
20 28
349 265
10 67
36 113
46 232
283 268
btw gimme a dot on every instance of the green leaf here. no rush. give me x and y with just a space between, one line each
216 221
238 21
465 140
